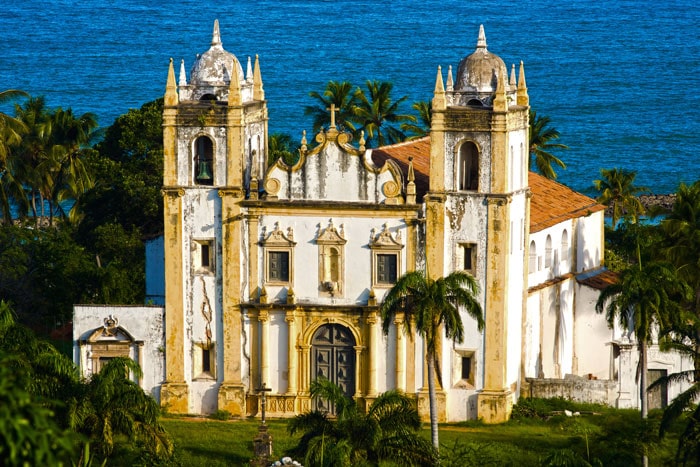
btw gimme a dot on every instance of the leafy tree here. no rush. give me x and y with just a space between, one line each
389 431
377 113
340 94
434 306
421 127
617 190
11 129
541 143
280 145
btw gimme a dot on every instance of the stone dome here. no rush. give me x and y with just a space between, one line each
479 71
214 67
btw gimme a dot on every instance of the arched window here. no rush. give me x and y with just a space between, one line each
533 257
208 97
203 161
565 246
468 167
548 252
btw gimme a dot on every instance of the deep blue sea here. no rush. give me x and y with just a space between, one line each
619 79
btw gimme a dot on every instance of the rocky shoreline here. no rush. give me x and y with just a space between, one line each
663 202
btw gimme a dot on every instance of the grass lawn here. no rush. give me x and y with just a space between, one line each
610 437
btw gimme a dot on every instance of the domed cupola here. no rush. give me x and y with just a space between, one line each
478 74
214 67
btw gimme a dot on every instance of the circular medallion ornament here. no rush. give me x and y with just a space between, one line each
390 189
272 186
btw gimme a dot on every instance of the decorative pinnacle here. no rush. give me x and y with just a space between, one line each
481 42
216 37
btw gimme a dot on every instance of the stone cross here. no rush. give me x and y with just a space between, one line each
263 390
332 109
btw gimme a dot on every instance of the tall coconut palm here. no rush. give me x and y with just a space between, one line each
421 127
645 298
541 143
377 114
33 150
343 96
434 306
11 129
618 191
388 431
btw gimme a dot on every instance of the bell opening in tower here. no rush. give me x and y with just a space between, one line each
203 158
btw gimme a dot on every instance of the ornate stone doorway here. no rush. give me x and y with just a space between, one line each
333 358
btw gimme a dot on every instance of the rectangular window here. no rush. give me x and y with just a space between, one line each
387 268
467 368
278 266
206 360
469 257
203 256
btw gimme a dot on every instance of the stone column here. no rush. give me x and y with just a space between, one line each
305 367
372 357
626 376
358 373
292 353
400 354
264 318
175 391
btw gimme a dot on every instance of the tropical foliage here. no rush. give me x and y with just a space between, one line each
619 193
434 305
388 431
71 412
371 111
421 127
542 137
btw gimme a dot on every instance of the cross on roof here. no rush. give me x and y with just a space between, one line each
332 109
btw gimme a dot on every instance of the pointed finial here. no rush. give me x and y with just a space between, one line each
411 185
439 101
500 102
481 42
303 141
234 86
171 97
249 71
362 141
512 76
258 92
183 74
450 82
523 98
216 37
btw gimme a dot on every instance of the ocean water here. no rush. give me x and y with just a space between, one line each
620 80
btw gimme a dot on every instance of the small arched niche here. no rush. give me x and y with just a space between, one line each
203 161
468 167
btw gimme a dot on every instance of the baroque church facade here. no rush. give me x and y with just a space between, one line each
272 276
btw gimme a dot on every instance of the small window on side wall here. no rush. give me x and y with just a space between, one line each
204 361
464 369
203 257
468 257
386 257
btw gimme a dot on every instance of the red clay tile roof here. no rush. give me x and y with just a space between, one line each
599 281
419 149
551 202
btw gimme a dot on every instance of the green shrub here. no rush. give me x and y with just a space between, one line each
221 415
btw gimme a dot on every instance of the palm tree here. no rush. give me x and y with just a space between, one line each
11 129
340 94
541 137
33 150
422 126
644 299
617 191
389 431
280 145
376 114
434 306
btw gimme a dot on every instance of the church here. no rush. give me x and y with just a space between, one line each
268 277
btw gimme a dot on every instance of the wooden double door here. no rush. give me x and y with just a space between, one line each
333 358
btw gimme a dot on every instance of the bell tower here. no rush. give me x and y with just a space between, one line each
215 149
477 210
